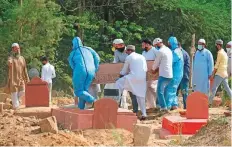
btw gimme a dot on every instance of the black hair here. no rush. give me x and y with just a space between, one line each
44 58
171 34
148 41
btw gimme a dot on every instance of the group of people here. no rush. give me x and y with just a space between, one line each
18 75
171 62
173 65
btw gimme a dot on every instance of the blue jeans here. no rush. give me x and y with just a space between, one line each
216 83
162 84
184 85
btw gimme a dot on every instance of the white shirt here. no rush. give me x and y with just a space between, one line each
135 64
134 69
151 54
163 61
48 73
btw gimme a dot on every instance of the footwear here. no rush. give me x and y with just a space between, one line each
174 108
142 118
164 111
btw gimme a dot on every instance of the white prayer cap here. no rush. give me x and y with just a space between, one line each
157 40
15 45
229 43
118 41
132 47
219 41
202 41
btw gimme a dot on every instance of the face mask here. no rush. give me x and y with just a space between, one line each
121 49
157 47
200 47
228 50
146 49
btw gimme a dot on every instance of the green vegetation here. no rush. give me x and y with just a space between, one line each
45 27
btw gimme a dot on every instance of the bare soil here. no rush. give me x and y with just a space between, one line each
25 131
216 133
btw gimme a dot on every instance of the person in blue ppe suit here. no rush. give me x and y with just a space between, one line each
203 66
84 62
184 84
177 68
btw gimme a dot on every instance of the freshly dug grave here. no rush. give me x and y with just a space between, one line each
25 131
216 133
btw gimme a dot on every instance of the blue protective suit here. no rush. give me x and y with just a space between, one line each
84 62
203 66
177 67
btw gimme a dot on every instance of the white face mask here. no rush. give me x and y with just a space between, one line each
228 50
200 47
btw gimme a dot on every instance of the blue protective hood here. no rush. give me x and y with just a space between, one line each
173 42
76 43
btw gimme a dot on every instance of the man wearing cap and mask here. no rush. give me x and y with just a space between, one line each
202 68
110 89
17 75
119 53
220 75
163 65
177 68
229 52
133 77
149 52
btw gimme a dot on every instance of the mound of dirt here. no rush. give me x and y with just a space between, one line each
216 133
25 131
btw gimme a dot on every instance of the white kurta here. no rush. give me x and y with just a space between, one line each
151 85
134 71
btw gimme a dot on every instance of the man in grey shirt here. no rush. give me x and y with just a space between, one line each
119 53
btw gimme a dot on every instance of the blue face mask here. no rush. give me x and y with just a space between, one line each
157 47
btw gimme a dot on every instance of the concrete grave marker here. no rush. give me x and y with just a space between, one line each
105 114
37 94
197 106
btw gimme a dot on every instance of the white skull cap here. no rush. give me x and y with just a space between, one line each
202 41
229 43
15 44
157 40
118 41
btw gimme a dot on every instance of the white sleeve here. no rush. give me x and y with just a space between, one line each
53 72
145 64
157 60
125 68
42 74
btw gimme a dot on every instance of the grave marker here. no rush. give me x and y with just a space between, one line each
36 93
197 106
105 114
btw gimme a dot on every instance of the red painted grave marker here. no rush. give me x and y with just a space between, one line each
197 106
105 114
37 94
